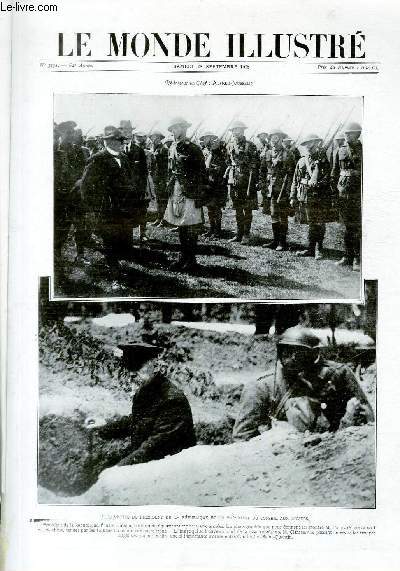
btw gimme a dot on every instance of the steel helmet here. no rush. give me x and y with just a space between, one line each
300 337
310 137
353 128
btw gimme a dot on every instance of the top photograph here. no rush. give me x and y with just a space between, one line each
227 197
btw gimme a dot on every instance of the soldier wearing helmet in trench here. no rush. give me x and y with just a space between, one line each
346 181
311 194
305 390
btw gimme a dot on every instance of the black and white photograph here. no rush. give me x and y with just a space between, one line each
195 404
246 197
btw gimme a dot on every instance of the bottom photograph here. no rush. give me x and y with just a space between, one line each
242 404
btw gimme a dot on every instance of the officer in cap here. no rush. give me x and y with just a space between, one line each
346 180
186 192
161 422
242 176
158 170
280 169
311 194
216 189
305 390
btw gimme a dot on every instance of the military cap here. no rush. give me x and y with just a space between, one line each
262 133
339 136
353 128
125 124
208 134
66 126
91 138
299 337
111 132
278 132
140 134
287 139
134 355
168 140
156 134
310 137
178 121
237 125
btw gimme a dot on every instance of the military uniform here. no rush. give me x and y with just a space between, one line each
159 173
315 402
280 167
186 176
138 163
242 180
311 193
216 188
346 180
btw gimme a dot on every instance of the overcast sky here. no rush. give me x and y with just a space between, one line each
92 112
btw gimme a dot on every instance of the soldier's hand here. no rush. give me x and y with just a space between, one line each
92 423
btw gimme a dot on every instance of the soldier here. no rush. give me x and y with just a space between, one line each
310 193
304 389
280 169
290 146
138 162
109 191
263 137
186 192
161 422
242 180
216 163
126 128
346 177
159 174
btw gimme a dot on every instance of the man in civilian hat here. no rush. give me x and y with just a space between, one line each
216 189
347 176
242 180
280 170
311 193
126 128
109 192
161 422
186 192
159 174
303 389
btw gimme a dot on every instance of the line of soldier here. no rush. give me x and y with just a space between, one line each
104 186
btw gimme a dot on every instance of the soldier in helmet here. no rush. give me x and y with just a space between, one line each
186 176
280 169
346 179
159 174
242 180
216 190
304 389
311 195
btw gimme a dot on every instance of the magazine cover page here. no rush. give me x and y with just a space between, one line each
199 287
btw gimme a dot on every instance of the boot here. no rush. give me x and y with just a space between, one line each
282 238
275 240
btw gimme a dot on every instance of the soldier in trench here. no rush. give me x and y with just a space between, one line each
161 422
307 391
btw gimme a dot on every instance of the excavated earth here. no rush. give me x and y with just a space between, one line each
80 378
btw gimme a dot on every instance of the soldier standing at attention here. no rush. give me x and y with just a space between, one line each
242 180
216 163
310 193
280 169
186 192
138 162
263 137
346 177
159 174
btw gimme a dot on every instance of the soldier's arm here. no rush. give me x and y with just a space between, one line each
254 411
295 181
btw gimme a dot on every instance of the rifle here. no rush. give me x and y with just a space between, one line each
196 130
340 126
282 189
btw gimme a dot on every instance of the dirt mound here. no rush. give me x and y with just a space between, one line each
281 467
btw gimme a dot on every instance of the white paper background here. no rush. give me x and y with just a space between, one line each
35 39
